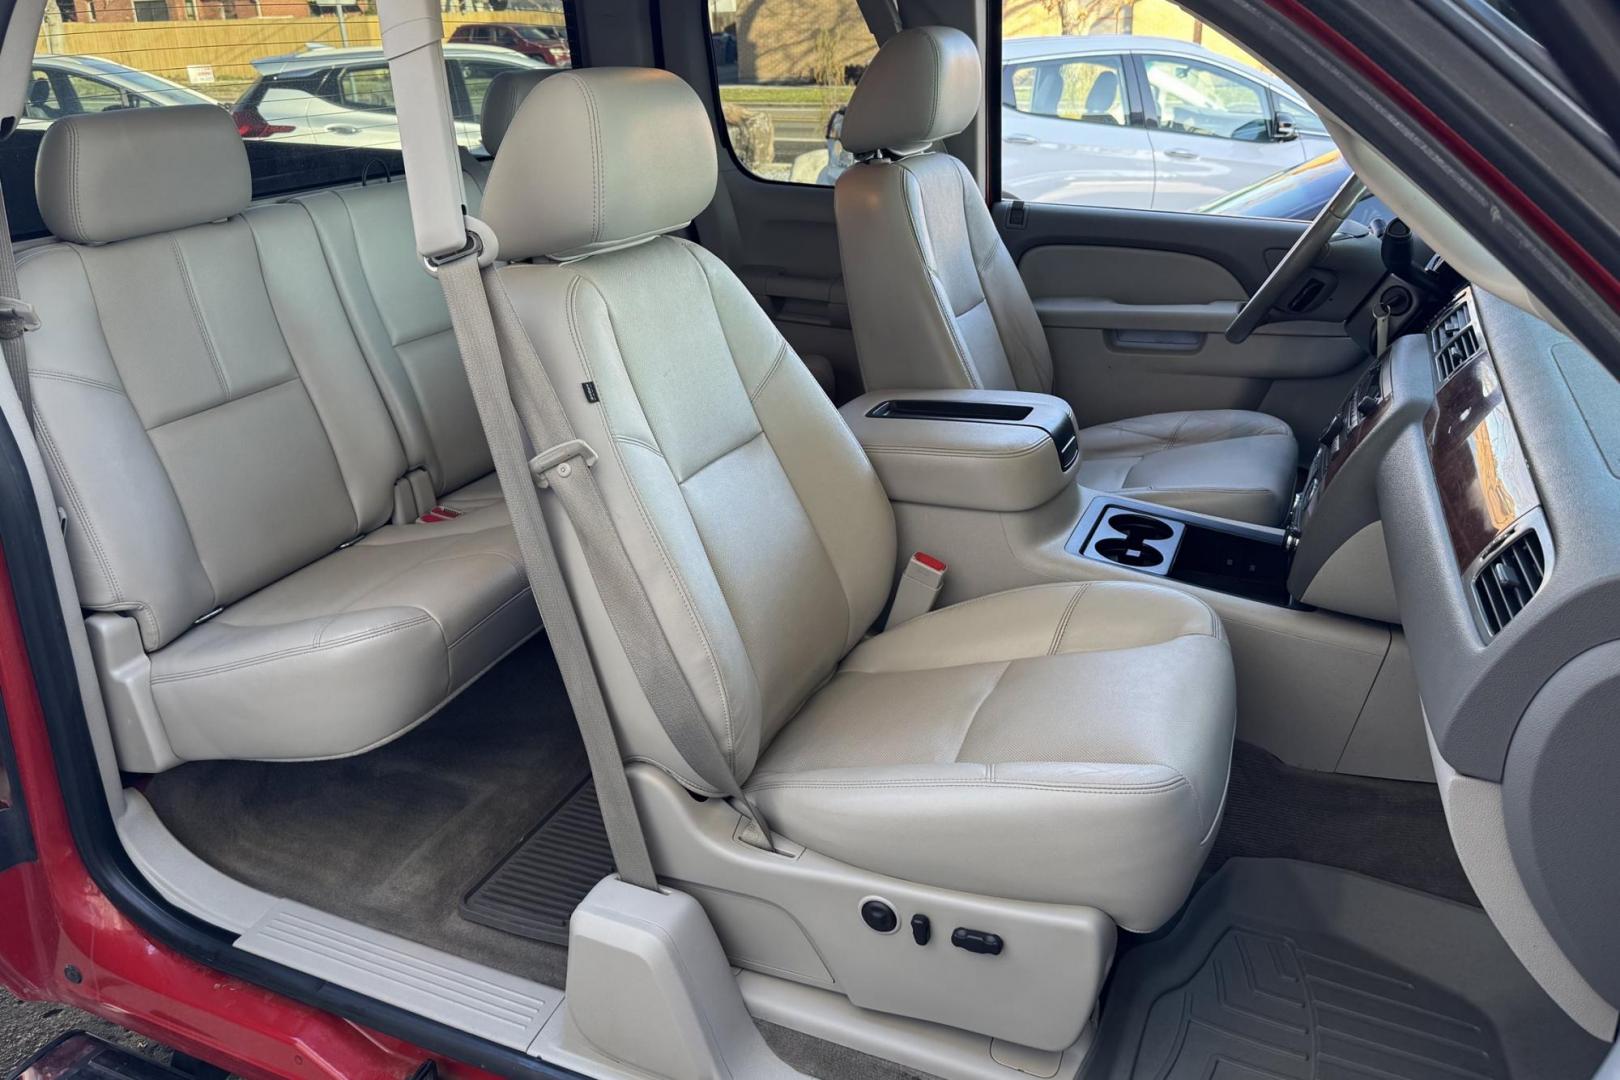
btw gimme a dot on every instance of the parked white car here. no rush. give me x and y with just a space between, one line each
1134 122
1143 123
68 85
345 97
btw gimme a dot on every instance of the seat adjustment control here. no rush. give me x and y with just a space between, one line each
921 929
879 915
976 941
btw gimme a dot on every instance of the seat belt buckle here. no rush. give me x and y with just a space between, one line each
437 514
918 590
560 458
17 317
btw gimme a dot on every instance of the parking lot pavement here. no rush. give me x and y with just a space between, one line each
25 1026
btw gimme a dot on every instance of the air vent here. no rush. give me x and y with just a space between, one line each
1455 339
1507 582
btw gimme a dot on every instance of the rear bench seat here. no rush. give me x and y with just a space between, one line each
239 496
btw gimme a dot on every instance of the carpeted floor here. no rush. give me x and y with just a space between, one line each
393 838
1388 829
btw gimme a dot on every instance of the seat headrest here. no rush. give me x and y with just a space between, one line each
599 159
501 100
922 86
109 176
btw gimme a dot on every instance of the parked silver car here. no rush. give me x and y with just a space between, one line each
1143 123
345 97
68 85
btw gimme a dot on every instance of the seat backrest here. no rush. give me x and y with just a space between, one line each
753 519
399 315
935 299
208 420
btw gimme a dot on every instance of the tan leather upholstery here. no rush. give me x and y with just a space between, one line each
766 545
1225 462
227 465
1004 467
598 193
1063 743
501 100
922 86
120 174
399 317
936 301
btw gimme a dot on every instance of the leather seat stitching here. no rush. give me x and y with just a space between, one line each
82 380
301 650
81 515
578 282
1124 788
973 717
525 594
197 316
776 365
1068 614
935 286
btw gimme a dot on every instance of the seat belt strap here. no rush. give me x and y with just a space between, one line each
480 353
17 317
565 469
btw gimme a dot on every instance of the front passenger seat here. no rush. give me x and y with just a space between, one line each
1065 744
937 302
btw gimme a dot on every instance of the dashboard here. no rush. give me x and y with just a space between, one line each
1497 486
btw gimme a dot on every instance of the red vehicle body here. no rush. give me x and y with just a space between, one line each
63 939
545 43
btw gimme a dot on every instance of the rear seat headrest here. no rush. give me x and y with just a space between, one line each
923 85
501 100
111 176
600 159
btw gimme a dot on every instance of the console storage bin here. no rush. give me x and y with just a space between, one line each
995 450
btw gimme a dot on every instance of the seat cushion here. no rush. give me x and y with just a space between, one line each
1061 743
350 651
1225 462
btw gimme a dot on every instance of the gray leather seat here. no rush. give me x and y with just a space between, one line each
229 472
937 302
1067 743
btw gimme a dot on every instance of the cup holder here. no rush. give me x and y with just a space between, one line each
1140 527
1135 539
1127 551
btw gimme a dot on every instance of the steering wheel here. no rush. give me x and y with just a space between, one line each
1311 243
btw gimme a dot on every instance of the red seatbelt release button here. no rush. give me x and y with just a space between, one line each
919 589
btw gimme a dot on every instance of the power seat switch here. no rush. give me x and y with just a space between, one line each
976 941
921 929
879 916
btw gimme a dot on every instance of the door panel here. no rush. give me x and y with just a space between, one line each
1135 305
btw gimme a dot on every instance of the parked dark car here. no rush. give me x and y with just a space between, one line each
1299 194
547 43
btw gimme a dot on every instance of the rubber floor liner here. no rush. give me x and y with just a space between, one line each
1281 970
534 890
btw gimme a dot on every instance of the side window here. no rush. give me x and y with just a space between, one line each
1201 99
366 88
1089 89
96 96
785 71
1140 105
304 81
476 75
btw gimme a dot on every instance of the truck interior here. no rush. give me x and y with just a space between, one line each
1039 638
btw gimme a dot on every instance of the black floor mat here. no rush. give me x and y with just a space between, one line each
534 889
1290 971
1388 829
392 838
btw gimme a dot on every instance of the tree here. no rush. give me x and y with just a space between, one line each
1077 16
